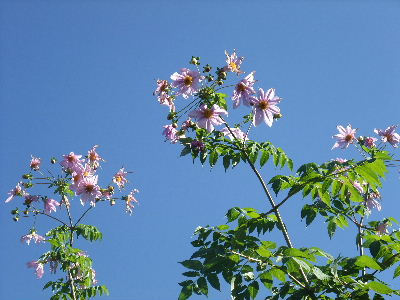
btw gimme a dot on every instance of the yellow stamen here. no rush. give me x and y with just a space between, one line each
263 105
188 80
208 113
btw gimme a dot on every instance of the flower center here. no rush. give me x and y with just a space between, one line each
241 87
71 158
348 138
263 104
188 80
89 188
118 178
233 66
208 113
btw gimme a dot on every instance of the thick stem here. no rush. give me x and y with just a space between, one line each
71 240
72 285
272 203
360 241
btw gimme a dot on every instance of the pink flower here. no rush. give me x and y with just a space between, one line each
89 190
243 91
38 268
78 176
388 135
30 198
197 145
237 133
382 228
17 191
358 186
129 201
233 62
265 107
370 142
187 82
170 133
371 202
94 157
162 87
345 137
165 99
32 236
35 163
187 124
120 178
50 205
340 160
72 162
208 117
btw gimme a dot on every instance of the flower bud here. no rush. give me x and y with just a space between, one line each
220 82
112 202
222 75
278 116
15 211
195 61
171 115
27 176
26 212
27 184
207 68
53 160
210 78
16 218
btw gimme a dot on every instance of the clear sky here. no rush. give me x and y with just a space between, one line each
74 74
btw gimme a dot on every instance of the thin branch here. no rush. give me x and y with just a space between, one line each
80 218
43 213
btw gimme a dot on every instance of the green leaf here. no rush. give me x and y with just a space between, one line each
233 214
212 159
379 287
186 151
226 161
319 274
336 186
264 252
191 274
367 261
396 272
266 279
186 292
192 264
264 158
203 286
331 228
278 274
214 281
253 289
223 227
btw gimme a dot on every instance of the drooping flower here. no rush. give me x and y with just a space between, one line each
382 228
243 91
237 133
88 190
39 270
32 236
31 198
170 133
197 145
370 142
208 117
94 158
233 62
372 202
130 199
187 82
120 178
187 124
388 135
50 205
345 137
72 162
358 186
162 87
35 163
265 107
168 100
53 266
17 191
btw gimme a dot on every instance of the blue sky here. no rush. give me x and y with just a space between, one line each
74 74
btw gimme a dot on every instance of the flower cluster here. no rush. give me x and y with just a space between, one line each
78 179
347 136
208 108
